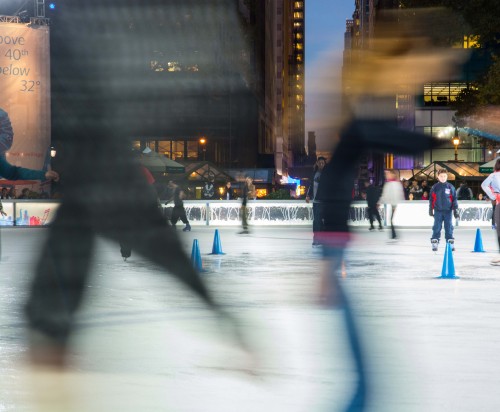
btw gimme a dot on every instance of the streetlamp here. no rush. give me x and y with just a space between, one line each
456 142
203 143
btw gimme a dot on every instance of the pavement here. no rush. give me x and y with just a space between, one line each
143 343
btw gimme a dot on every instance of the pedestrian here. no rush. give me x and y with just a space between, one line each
228 192
392 194
491 186
245 195
372 199
311 195
442 204
464 192
179 212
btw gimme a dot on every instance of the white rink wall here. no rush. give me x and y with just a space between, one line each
22 213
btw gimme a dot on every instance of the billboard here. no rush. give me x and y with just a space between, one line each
25 94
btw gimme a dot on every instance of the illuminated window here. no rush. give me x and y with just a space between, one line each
299 58
298 15
471 42
298 76
299 46
297 24
299 97
441 94
298 86
298 4
261 193
299 36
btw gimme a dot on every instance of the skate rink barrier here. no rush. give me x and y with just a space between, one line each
23 213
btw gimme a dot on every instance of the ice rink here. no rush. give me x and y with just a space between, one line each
145 344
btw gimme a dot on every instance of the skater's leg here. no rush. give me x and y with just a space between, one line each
57 289
393 229
448 225
438 223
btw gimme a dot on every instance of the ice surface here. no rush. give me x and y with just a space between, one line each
144 344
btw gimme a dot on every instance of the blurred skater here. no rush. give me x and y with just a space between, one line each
372 200
178 211
247 193
311 195
491 186
392 194
103 91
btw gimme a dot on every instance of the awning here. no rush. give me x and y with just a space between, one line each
456 170
488 167
157 163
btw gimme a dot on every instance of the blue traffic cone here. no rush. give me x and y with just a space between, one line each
478 245
448 271
217 247
196 256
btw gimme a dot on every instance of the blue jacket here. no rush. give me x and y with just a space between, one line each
11 172
443 197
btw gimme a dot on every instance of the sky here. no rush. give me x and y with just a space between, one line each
325 27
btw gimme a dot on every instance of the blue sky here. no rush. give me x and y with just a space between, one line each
325 27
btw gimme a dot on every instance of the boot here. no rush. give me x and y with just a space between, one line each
435 244
187 228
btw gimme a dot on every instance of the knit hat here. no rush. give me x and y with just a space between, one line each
6 132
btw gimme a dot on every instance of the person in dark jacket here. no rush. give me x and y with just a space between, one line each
178 212
311 195
442 203
228 192
372 197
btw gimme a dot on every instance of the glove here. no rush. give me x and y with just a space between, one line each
431 213
455 213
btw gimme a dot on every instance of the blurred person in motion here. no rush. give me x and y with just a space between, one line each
392 194
178 212
368 123
125 247
372 199
246 194
491 186
442 204
104 93
311 195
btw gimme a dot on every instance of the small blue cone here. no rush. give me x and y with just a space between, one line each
217 247
196 256
478 245
448 271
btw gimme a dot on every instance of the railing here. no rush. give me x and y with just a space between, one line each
24 213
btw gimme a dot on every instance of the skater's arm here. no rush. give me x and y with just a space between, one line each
487 188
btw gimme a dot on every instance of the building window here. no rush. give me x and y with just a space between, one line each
298 15
298 4
441 94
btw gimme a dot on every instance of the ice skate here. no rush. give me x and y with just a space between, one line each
452 244
495 262
434 244
187 228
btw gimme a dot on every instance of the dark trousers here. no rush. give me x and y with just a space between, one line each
178 212
497 219
62 272
393 229
244 217
493 218
317 218
373 214
440 218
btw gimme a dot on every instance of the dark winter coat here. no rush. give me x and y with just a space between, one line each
443 197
